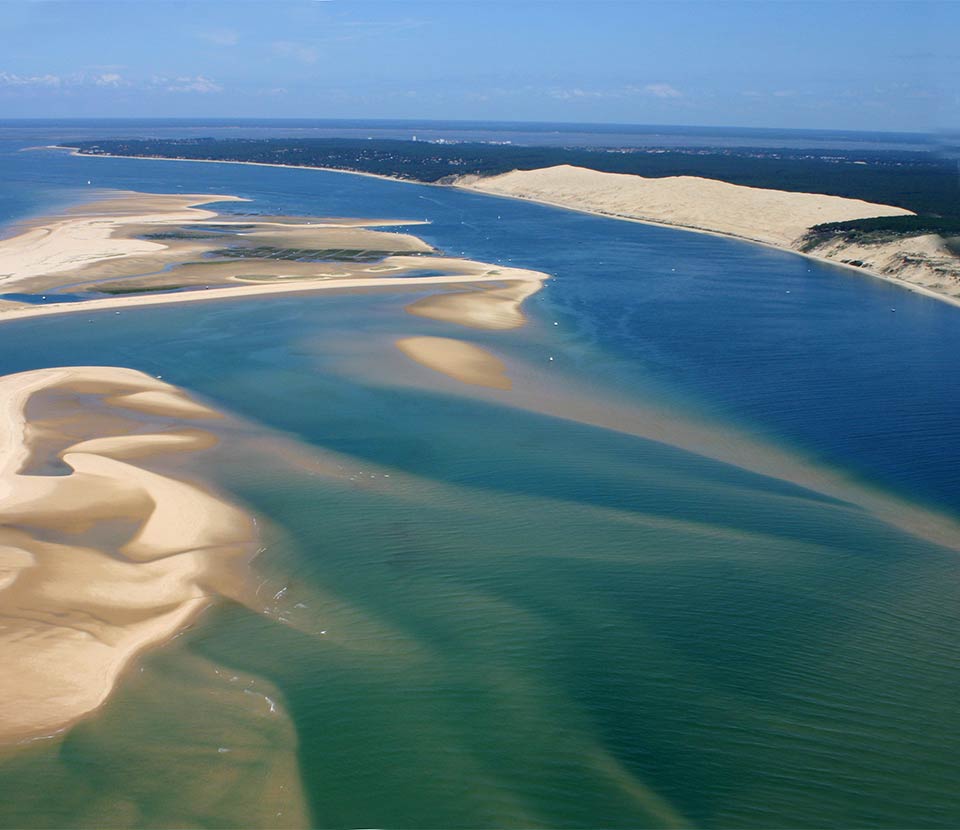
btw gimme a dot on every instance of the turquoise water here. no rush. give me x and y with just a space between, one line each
494 617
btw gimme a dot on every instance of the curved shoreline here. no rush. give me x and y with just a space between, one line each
901 283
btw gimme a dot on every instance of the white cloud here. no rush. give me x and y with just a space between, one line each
188 83
107 81
578 94
662 91
298 51
111 79
658 90
220 37
12 79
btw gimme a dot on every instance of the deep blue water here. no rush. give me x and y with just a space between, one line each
809 354
548 624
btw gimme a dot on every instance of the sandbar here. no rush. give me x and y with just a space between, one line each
457 359
78 603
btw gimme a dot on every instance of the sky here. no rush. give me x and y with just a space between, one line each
876 65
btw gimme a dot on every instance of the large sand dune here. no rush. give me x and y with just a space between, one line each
774 217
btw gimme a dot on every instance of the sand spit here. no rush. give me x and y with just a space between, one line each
300 286
104 562
139 248
457 359
129 234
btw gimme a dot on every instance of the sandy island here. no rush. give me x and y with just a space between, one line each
101 563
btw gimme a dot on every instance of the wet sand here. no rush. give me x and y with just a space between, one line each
457 359
488 308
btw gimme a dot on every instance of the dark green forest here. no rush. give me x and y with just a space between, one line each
918 181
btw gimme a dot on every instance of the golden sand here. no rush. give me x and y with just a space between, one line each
775 217
74 613
82 237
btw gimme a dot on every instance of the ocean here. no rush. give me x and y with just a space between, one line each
497 613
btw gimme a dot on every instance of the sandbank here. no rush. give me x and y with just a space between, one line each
490 308
68 242
74 613
135 246
457 359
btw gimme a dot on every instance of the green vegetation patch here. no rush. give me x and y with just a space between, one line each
917 180
180 235
901 225
134 289
305 254
879 229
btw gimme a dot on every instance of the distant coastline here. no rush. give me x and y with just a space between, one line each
468 183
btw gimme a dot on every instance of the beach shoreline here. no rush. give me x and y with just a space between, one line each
901 283
892 280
